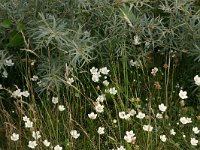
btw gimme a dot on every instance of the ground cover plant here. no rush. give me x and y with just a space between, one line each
100 74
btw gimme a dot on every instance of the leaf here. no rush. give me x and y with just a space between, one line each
20 26
6 23
15 39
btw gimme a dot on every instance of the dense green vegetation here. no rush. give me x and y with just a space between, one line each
99 74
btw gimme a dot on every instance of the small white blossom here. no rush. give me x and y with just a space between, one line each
14 137
154 71
163 138
36 135
74 134
95 77
122 115
25 93
121 148
25 118
9 62
70 81
57 147
197 80
99 108
127 116
94 70
172 132
114 121
105 82
159 116
113 91
134 63
32 144
46 143
148 128
61 107
194 141
183 94
132 112
55 100
34 78
101 98
185 120
140 115
129 137
136 40
92 115
101 130
104 70
162 107
29 124
17 93
195 130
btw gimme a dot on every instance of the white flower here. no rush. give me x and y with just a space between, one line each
92 115
95 77
34 78
36 135
74 134
57 147
61 107
104 70
129 137
46 143
113 91
194 142
159 116
114 121
25 118
132 112
14 137
29 124
121 148
17 93
55 100
127 116
197 80
172 132
32 144
8 62
99 108
25 93
154 71
94 70
195 130
122 115
162 107
185 120
136 40
148 128
183 94
101 98
105 82
70 81
101 130
134 63
163 138
140 115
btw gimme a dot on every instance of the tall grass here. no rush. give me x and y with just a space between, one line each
150 49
